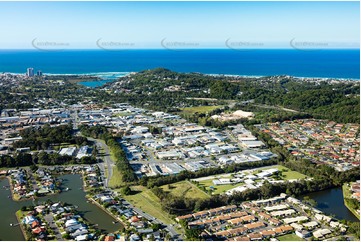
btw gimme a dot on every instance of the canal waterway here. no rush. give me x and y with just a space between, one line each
75 196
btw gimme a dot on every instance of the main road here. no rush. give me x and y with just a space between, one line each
100 144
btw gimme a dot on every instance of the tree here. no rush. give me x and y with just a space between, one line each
156 227
126 190
66 236
33 168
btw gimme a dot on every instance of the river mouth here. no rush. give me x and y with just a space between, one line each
75 196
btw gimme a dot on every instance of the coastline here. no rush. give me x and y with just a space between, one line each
116 75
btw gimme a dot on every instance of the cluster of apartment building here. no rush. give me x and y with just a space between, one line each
263 220
321 141
74 151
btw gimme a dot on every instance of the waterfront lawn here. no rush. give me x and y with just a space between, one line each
21 214
289 237
185 189
16 197
145 199
199 109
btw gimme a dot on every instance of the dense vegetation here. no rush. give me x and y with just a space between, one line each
321 99
96 132
42 137
20 159
353 203
42 158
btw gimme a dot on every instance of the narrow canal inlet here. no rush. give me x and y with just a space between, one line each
330 202
75 196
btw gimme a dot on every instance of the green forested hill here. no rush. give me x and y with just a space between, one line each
330 99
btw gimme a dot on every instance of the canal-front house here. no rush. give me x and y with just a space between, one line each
29 219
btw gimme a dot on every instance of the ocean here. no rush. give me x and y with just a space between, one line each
307 63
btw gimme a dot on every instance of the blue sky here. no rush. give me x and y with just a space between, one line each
180 24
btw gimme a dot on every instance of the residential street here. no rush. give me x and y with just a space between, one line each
50 220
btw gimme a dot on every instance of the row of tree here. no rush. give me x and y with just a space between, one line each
122 163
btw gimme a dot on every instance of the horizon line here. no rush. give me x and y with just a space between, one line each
175 49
